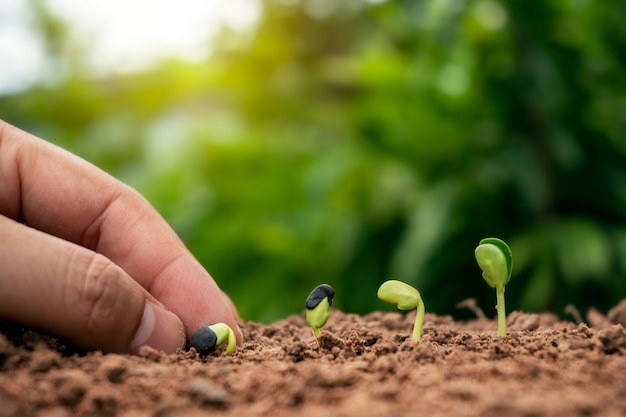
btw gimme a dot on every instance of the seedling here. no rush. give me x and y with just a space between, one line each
208 338
496 261
318 308
404 297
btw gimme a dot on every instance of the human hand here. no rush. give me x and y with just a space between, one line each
88 259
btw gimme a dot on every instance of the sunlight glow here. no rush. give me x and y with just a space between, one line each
20 52
134 33
118 35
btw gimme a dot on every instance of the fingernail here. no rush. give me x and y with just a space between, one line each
159 329
238 333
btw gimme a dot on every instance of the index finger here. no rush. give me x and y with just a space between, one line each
56 192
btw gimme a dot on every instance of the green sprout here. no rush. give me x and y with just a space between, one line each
207 338
404 297
318 308
496 261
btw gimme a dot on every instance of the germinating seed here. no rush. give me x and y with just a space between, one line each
318 294
204 340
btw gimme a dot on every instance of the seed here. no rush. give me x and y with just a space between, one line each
204 340
318 294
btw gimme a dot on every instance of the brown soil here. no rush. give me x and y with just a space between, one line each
365 366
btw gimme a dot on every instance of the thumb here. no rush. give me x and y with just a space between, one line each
78 295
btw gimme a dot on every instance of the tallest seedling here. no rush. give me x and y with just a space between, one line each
496 260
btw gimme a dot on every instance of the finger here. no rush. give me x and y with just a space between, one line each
235 313
78 295
61 194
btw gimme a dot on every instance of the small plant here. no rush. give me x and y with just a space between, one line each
496 261
206 339
404 297
317 306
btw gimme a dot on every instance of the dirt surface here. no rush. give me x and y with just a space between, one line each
365 366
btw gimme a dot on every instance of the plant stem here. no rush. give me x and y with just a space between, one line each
419 320
501 311
316 335
232 342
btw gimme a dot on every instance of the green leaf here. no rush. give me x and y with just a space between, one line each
399 293
496 261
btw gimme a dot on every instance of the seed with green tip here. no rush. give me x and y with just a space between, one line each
317 308
207 338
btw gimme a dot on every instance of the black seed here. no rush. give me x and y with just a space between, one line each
204 340
318 294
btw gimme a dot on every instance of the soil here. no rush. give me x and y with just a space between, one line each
364 366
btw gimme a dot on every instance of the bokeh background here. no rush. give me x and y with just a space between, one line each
354 141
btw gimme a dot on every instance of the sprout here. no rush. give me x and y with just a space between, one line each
496 260
207 338
317 308
404 297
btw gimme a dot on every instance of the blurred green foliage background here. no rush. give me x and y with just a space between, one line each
350 142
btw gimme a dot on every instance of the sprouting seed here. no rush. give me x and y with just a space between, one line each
496 261
404 297
317 306
207 338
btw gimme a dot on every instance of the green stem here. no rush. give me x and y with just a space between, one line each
232 342
316 334
501 311
419 321
223 333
